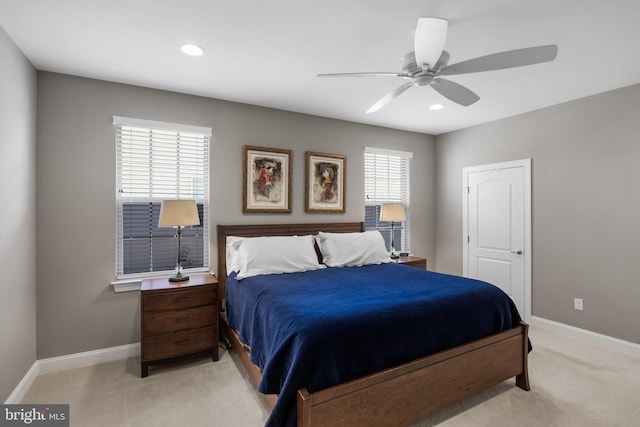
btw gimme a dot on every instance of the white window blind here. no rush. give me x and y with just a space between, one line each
157 161
386 180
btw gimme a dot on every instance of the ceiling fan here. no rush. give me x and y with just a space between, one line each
428 62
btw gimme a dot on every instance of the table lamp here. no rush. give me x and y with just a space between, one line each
179 214
392 212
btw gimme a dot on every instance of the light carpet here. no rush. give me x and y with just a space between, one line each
572 384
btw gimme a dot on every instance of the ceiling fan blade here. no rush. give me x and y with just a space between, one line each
455 92
368 74
389 97
502 60
431 34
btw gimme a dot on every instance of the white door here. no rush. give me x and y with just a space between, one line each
497 228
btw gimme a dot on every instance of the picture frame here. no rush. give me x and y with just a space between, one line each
325 183
266 180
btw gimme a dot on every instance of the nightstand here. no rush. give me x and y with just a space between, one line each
412 261
178 319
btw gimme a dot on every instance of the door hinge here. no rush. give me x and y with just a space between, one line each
468 190
468 239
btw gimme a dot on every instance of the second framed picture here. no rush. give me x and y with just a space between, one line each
326 176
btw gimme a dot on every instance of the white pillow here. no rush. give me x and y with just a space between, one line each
274 255
352 249
233 264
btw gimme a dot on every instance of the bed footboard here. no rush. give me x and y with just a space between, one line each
402 395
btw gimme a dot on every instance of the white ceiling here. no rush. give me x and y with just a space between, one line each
268 52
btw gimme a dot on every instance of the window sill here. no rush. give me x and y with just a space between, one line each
126 285
134 284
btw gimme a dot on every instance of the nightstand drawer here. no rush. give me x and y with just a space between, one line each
412 261
418 264
178 344
173 321
181 299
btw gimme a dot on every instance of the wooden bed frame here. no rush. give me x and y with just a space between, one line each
396 396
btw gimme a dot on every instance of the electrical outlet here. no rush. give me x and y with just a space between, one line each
577 304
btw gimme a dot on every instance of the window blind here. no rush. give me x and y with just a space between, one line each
387 180
157 161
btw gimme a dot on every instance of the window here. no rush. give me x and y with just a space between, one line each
386 180
157 161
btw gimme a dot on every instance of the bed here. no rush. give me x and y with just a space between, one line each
394 395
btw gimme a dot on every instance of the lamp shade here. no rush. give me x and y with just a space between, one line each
393 212
178 213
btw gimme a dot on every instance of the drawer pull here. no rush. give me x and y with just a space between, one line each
183 341
182 319
183 299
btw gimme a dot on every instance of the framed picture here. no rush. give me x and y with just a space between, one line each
325 182
266 180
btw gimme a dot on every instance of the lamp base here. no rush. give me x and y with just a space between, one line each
178 278
394 256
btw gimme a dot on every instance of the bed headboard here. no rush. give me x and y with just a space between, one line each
255 230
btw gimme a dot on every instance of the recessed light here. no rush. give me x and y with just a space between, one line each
436 107
192 50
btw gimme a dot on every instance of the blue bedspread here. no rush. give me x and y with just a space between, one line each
321 328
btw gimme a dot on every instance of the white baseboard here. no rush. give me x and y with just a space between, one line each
23 386
595 338
70 361
87 358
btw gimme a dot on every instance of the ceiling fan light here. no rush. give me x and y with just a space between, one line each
436 107
431 34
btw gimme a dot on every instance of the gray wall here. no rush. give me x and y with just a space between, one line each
77 310
17 216
586 212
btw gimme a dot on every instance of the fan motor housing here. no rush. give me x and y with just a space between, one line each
424 80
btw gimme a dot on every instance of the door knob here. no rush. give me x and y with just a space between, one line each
517 252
